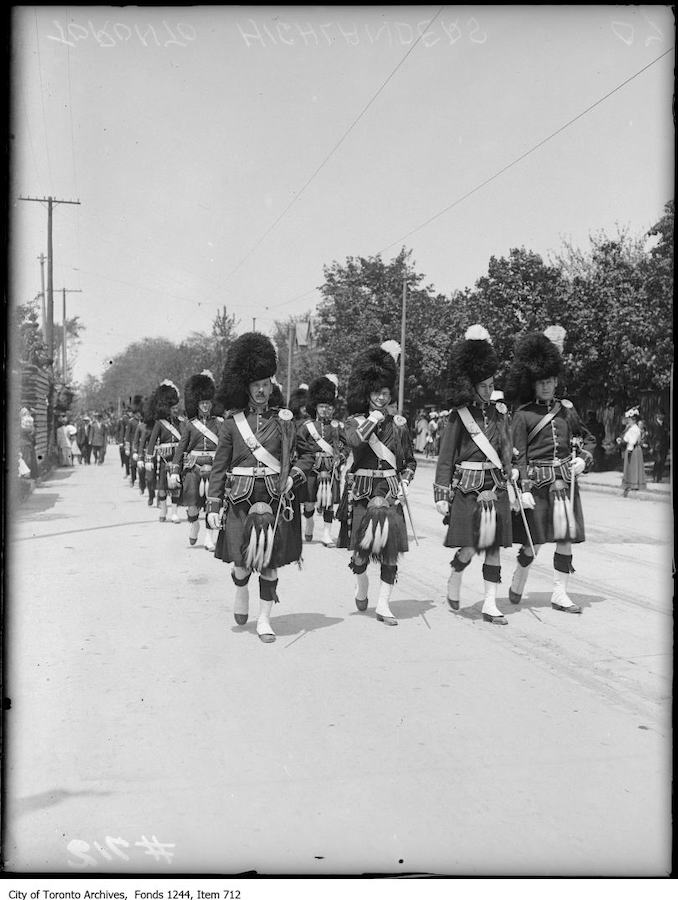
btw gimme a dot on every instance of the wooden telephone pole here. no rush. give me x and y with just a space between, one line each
49 324
65 291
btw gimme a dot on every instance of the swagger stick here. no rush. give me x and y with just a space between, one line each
524 518
572 522
407 507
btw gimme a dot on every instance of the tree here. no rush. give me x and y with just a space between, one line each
519 294
31 347
362 305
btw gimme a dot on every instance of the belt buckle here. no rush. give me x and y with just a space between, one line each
259 469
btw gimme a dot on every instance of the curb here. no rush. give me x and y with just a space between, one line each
661 496
648 494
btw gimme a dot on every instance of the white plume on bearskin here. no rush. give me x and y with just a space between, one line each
377 533
257 547
485 521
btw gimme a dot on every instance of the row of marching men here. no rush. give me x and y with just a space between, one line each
258 471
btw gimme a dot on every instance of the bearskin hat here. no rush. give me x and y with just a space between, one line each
321 390
197 388
251 357
535 357
298 399
137 400
471 361
373 369
163 398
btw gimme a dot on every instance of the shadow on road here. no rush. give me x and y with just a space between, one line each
292 623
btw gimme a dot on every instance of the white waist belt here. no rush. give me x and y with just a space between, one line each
376 473
253 470
476 465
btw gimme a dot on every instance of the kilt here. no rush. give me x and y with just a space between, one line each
460 531
540 519
348 541
287 544
190 488
311 493
161 482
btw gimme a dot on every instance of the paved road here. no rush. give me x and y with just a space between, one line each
140 711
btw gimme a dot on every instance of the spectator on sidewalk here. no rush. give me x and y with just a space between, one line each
72 431
63 441
98 439
633 478
660 437
27 442
84 439
421 432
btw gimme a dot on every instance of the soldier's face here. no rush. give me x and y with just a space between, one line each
380 399
545 388
205 407
174 409
260 391
325 410
484 389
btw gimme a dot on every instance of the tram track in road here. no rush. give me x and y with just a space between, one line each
587 663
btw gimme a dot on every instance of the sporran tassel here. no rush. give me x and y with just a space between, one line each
258 537
571 521
485 520
366 543
560 523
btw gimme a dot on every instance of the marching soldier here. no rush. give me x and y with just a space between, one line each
195 453
131 422
473 470
139 441
380 467
253 479
553 448
162 443
322 435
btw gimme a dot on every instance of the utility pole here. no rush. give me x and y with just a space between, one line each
401 380
49 330
254 323
65 291
290 341
42 292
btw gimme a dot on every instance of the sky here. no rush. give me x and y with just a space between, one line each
221 156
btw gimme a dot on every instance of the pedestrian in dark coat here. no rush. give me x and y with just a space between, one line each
661 441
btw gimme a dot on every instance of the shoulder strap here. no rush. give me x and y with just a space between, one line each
321 442
542 423
260 452
478 436
382 451
209 434
170 428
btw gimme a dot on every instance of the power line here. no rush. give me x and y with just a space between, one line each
334 149
42 96
526 154
500 171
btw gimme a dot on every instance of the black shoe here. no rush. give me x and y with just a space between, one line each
240 618
387 620
513 597
361 604
453 604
